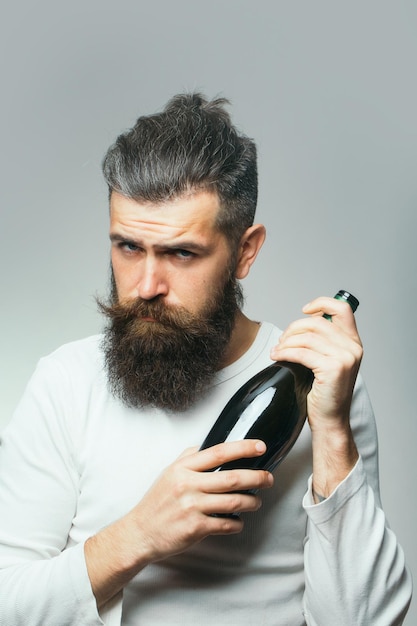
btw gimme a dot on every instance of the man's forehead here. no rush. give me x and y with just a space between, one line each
187 222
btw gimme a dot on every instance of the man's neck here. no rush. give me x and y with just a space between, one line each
243 336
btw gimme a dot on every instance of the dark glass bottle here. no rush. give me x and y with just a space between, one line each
271 406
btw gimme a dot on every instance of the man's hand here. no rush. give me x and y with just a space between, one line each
179 509
177 512
333 351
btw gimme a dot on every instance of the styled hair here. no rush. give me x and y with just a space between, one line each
191 145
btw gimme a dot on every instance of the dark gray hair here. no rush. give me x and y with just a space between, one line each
191 145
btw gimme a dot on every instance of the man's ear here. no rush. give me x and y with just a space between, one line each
250 244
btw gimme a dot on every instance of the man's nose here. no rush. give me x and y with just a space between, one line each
152 282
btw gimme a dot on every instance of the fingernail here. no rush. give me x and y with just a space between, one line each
260 446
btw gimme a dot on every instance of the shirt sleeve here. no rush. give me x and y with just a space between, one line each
355 572
43 580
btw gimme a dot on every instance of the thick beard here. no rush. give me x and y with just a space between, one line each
170 362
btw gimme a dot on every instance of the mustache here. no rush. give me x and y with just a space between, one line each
134 313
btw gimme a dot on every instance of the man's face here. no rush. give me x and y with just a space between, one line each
171 251
174 301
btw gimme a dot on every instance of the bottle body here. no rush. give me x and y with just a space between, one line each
271 406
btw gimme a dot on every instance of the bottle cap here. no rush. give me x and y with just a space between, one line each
348 297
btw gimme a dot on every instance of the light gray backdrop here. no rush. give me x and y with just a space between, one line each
328 90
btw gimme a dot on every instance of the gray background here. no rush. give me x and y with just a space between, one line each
328 90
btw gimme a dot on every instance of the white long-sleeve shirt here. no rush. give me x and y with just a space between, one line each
74 459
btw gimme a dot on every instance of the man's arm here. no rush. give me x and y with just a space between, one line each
355 571
42 583
43 578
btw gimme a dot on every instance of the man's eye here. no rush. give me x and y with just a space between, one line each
184 254
128 246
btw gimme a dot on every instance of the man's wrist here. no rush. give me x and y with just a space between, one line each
334 456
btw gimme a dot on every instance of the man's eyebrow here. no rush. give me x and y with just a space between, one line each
118 237
192 246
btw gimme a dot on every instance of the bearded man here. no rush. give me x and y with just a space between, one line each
109 513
